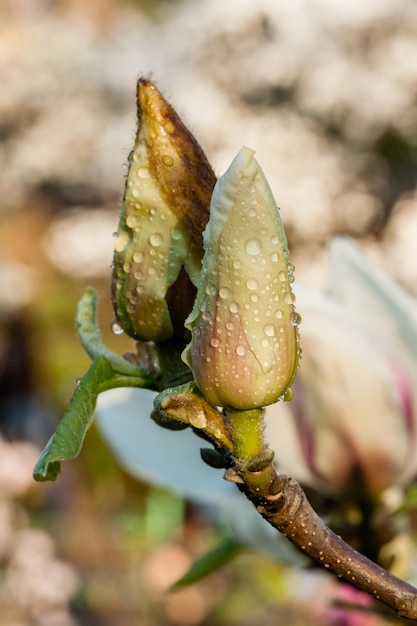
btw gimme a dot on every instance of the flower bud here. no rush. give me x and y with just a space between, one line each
244 347
164 211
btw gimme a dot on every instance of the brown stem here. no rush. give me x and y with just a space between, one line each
283 503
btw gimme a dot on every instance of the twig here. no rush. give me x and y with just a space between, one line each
280 499
283 503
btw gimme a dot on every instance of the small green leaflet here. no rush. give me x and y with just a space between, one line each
68 438
90 339
107 371
218 556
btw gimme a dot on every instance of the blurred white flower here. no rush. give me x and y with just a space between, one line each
35 578
18 285
16 467
68 239
353 422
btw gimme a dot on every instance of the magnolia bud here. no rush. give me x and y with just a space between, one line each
244 347
164 211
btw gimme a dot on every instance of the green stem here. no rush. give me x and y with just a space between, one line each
90 338
127 381
246 432
253 460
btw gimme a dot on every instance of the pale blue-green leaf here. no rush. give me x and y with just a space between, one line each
154 454
171 459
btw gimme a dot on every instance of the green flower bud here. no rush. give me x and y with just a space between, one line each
165 209
244 347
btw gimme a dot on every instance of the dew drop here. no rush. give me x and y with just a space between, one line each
269 330
253 247
215 342
116 328
143 172
295 319
234 307
240 350
169 127
121 242
131 221
237 265
138 257
286 395
275 240
224 293
155 239
275 257
251 284
167 160
289 298
282 276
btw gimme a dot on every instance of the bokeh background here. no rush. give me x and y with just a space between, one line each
326 93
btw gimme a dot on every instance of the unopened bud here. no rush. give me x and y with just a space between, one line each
244 347
164 211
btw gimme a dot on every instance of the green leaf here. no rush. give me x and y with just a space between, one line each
90 338
107 371
67 441
222 553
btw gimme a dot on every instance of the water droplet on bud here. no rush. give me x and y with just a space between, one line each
296 319
155 239
224 293
269 330
289 297
253 247
121 242
116 328
167 160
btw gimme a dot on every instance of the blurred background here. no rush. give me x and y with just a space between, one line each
326 93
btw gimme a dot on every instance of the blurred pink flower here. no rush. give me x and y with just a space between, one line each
351 607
